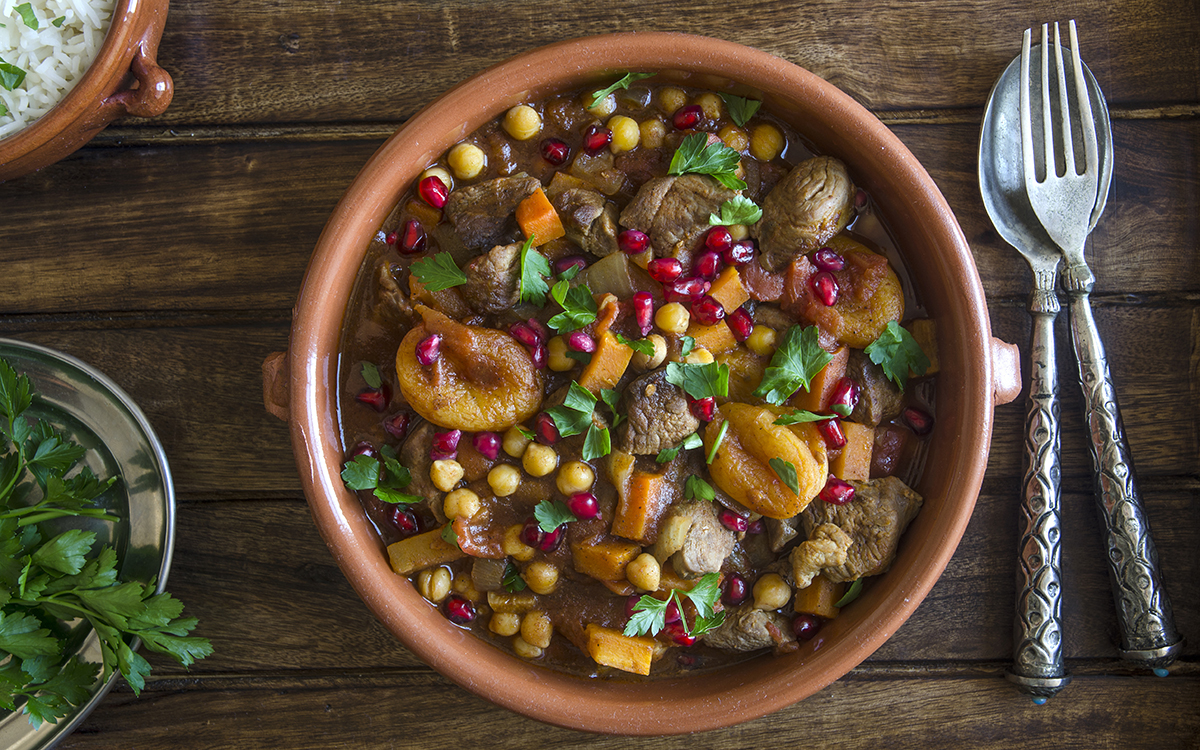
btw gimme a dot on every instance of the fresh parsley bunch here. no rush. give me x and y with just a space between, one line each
45 580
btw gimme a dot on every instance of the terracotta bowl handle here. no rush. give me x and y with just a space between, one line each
155 88
1006 371
276 376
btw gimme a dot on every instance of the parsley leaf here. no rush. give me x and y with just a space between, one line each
574 415
385 478
361 473
611 398
370 374
737 210
695 488
623 83
740 108
700 381
551 514
26 11
58 22
535 269
712 452
642 346
696 155
582 358
801 416
851 593
897 352
842 410
596 443
579 308
450 536
786 471
669 454
793 366
650 613
439 272
512 580
687 344
10 75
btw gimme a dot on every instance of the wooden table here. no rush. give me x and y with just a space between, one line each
168 253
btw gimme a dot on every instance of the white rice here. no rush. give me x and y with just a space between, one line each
54 58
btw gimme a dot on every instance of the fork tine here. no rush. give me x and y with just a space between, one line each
1048 158
1026 117
1090 142
1064 106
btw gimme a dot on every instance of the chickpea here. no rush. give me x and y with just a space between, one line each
467 160
539 460
445 474
542 577
734 137
653 132
434 584
625 134
602 108
512 545
671 99
441 174
504 479
699 356
766 142
536 628
711 104
761 340
644 572
524 649
672 318
505 623
575 477
464 586
650 361
514 441
771 592
462 503
738 232
558 359
522 122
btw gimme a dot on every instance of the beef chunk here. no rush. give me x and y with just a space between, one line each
394 304
812 203
760 178
781 531
707 543
875 519
880 399
589 219
415 454
658 416
674 211
493 280
827 547
749 629
482 214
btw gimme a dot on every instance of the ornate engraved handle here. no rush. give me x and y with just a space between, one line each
1037 636
1148 634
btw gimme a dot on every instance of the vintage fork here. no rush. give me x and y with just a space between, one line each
1064 204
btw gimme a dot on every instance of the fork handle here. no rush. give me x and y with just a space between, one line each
1148 634
1037 666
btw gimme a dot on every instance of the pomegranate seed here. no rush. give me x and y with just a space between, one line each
540 356
596 138
545 429
445 445
704 409
584 506
732 521
581 342
860 199
404 520
488 444
524 333
459 609
918 420
376 398
630 602
845 394
825 287
429 349
707 311
562 265
363 448
685 118
740 323
756 527
826 259
718 239
672 614
836 491
555 151
551 539
739 254
643 311
831 430
531 533
665 270
805 627
686 290
633 241
736 590
675 630
539 329
708 265
433 191
397 425
412 239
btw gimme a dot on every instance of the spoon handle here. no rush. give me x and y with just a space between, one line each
1148 634
1037 637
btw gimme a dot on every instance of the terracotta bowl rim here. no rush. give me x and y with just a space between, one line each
742 692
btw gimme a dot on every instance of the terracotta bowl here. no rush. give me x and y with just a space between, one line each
124 79
978 372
